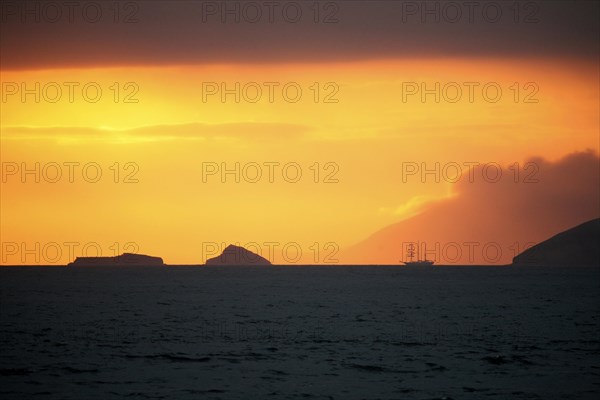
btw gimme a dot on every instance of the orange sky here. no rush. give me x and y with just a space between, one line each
360 142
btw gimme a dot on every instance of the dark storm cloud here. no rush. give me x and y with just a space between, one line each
38 34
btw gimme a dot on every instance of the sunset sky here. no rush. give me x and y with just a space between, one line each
161 130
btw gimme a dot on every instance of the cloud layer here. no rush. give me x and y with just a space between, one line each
34 35
489 222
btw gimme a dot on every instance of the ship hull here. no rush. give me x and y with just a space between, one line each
426 263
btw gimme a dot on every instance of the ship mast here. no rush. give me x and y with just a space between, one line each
410 252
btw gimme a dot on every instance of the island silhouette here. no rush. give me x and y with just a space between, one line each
237 255
231 256
577 246
125 259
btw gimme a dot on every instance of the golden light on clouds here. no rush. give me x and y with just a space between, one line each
154 131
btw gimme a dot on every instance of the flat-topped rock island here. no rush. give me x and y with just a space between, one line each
124 260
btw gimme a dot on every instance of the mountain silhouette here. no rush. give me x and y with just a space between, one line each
125 259
502 215
236 255
578 246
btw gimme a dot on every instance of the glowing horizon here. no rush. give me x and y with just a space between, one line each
316 124
170 117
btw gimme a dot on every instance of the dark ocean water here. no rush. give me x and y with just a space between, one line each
300 333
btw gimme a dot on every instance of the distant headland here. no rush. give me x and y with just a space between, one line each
578 246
